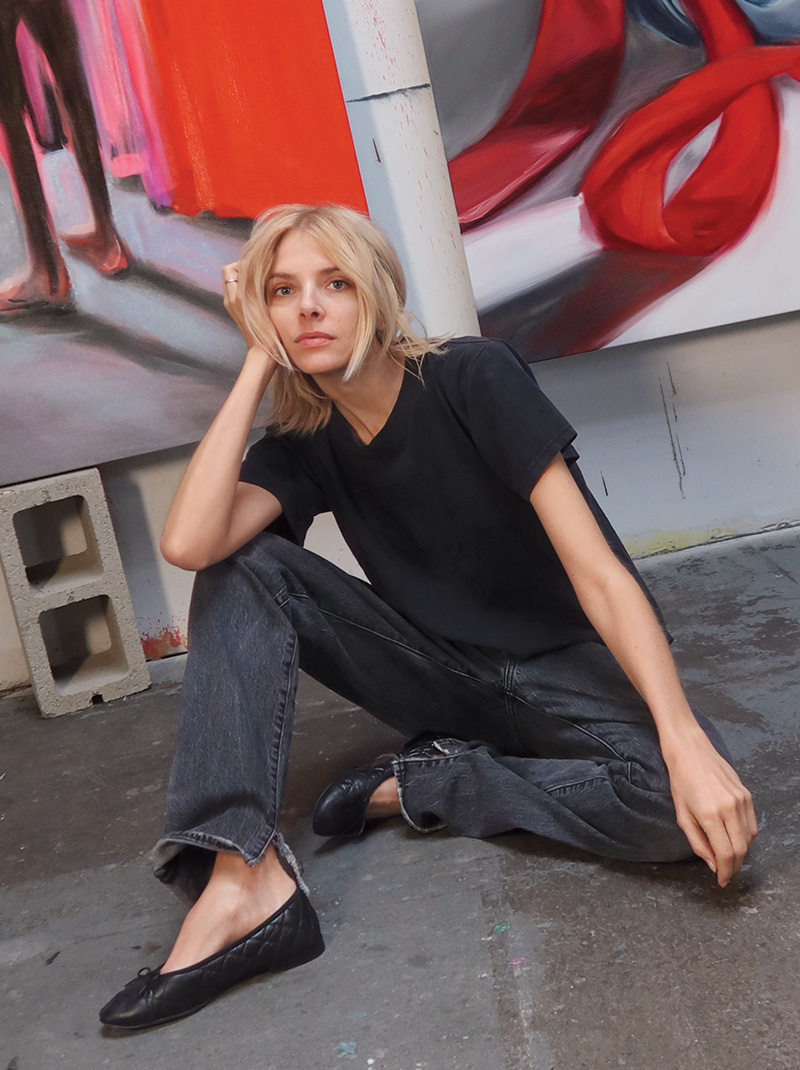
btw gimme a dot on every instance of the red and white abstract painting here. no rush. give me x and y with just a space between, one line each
639 176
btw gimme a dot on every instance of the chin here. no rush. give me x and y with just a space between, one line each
320 364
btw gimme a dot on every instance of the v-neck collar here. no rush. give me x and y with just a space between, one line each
389 433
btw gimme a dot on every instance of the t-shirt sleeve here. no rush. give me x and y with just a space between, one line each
276 463
516 428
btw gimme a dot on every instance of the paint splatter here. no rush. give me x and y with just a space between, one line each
345 1048
503 927
518 962
165 642
356 1016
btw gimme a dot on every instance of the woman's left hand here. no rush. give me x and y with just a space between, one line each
713 807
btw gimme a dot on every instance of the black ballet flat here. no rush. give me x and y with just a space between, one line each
341 809
290 937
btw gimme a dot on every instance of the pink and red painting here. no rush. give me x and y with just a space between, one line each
140 138
640 176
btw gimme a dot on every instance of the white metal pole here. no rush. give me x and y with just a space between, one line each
387 91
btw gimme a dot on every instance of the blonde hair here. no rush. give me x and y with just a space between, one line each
365 256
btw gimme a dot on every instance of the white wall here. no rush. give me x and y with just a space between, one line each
683 440
689 438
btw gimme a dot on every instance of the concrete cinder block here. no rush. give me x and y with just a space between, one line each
69 593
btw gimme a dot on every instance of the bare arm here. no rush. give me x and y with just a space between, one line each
713 807
212 513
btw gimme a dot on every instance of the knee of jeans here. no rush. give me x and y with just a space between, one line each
251 561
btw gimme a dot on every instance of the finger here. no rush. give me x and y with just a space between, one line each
725 855
739 843
751 820
230 276
698 841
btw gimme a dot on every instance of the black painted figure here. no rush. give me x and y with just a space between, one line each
44 282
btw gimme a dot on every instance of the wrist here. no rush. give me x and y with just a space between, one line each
259 362
679 740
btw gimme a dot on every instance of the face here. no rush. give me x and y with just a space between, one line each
313 306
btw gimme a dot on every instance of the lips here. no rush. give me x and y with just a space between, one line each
310 339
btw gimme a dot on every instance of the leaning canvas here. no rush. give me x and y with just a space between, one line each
622 170
140 139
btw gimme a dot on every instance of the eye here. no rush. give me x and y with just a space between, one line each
339 284
282 291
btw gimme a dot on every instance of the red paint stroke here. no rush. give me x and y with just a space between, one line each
162 644
566 88
624 187
569 81
248 106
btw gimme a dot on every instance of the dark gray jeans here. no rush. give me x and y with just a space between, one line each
560 745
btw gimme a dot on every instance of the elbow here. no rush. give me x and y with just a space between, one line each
182 555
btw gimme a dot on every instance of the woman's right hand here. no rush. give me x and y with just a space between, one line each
232 300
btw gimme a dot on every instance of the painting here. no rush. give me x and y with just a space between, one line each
140 138
622 170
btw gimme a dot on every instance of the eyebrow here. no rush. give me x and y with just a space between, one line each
331 270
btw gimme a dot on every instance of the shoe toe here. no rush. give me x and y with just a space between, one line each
128 1009
342 808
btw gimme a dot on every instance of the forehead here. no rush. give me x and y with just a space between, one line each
300 251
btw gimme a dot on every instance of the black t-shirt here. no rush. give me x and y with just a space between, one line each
436 507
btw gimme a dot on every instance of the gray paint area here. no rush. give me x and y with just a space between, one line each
477 52
442 952
144 361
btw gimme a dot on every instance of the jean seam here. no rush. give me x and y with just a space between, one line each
575 725
511 699
279 744
399 773
402 645
410 759
574 785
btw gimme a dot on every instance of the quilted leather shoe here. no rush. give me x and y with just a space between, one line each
341 809
290 937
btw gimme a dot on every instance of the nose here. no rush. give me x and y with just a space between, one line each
310 304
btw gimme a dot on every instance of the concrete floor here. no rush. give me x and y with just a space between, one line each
442 953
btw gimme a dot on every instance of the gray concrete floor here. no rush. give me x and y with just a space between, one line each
442 952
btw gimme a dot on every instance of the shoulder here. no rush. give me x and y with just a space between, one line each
472 364
460 355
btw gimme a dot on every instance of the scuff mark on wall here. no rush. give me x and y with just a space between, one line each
671 381
671 416
403 91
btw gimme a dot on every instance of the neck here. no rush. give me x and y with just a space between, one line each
367 399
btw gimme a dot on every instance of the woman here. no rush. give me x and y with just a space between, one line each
500 608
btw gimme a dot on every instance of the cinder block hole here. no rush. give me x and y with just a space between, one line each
57 543
83 645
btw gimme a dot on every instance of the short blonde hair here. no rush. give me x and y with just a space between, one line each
365 256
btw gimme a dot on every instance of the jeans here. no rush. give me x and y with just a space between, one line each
560 744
